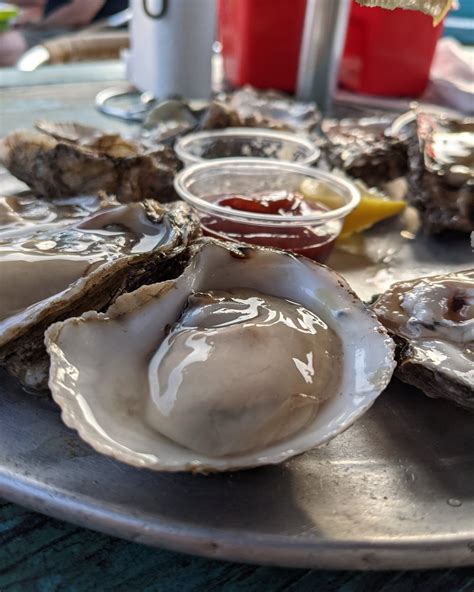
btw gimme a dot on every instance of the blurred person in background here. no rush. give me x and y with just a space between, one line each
43 19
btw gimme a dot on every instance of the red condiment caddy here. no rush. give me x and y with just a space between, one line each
387 52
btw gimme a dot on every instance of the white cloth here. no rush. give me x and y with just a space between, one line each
452 75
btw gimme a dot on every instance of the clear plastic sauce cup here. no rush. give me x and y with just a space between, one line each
233 198
248 143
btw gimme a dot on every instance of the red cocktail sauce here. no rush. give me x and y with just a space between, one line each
315 242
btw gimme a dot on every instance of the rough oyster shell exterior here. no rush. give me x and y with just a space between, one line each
438 367
21 335
442 188
63 168
361 148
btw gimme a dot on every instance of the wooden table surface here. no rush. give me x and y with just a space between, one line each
40 553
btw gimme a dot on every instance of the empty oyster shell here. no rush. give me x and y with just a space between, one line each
107 397
169 119
432 321
108 162
50 272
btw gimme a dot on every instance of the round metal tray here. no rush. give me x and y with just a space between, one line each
394 491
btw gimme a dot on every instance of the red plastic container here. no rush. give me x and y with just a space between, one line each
261 41
388 52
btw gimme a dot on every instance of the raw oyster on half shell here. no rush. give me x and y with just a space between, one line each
50 272
71 160
246 107
441 178
432 321
248 358
19 211
362 149
273 109
112 144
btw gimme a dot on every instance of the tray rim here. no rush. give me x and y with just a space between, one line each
403 553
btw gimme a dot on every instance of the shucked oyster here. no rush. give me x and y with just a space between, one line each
276 110
50 272
432 320
248 107
442 172
364 151
250 357
20 211
217 327
112 144
71 160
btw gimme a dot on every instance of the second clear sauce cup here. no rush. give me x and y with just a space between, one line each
248 143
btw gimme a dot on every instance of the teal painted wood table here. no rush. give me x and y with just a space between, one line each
39 554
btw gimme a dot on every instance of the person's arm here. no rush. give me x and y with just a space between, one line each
32 11
12 47
76 13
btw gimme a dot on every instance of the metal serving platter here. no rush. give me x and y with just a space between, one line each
394 491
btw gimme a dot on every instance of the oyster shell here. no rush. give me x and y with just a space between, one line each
246 107
364 151
432 321
256 108
117 416
50 272
65 163
169 119
249 107
76 133
441 179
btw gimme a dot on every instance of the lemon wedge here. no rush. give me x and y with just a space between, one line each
374 206
437 9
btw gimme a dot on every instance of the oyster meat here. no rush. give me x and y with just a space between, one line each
19 211
71 160
191 385
217 324
364 151
50 272
432 321
441 179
